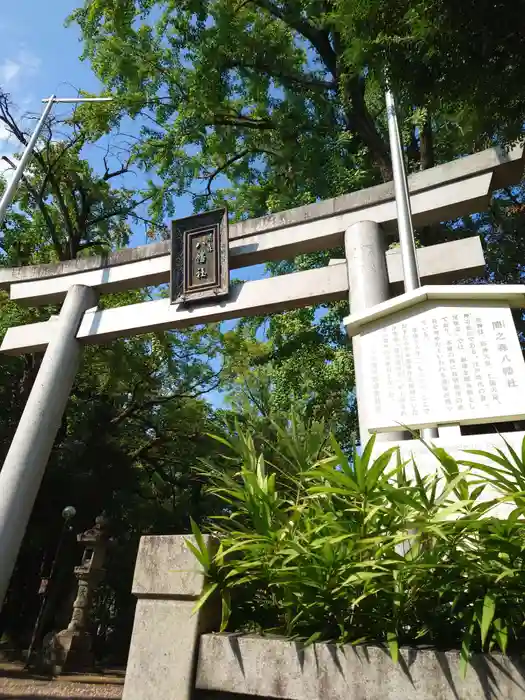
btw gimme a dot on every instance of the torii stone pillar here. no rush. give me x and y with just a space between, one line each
25 463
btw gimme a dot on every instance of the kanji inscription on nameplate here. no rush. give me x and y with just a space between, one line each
447 364
199 257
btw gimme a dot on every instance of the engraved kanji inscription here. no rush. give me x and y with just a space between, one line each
200 257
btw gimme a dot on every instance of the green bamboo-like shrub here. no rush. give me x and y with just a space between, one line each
322 546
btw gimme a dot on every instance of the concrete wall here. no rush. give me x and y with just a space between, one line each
172 658
276 668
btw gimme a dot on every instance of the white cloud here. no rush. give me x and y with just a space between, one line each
22 65
14 70
4 133
29 61
8 71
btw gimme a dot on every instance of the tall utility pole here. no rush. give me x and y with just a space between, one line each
10 191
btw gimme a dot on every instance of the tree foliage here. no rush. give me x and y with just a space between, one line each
285 98
64 208
268 105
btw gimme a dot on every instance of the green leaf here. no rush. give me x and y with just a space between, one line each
379 466
465 652
343 461
489 608
197 534
449 464
221 440
225 609
513 454
501 634
393 646
501 460
209 589
202 557
315 637
366 454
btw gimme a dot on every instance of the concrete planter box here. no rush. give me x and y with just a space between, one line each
175 656
276 668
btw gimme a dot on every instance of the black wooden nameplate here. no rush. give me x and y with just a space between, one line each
199 257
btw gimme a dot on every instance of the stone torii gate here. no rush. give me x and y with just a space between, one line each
362 222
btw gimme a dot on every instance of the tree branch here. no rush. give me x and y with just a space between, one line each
231 161
319 39
52 165
115 173
241 120
360 120
304 80
55 188
426 145
117 212
135 406
40 203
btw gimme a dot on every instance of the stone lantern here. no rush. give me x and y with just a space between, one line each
73 646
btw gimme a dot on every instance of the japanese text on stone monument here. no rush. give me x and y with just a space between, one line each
444 365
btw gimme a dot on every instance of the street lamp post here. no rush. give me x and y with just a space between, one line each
68 513
11 188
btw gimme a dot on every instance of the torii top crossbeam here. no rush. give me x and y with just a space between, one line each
321 225
442 193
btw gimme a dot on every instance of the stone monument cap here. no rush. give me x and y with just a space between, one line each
512 295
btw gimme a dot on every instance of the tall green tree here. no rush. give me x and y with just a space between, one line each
286 98
63 207
136 422
268 105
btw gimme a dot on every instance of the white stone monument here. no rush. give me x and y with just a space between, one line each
441 357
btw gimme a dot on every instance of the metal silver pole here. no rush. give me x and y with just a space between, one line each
75 100
404 213
50 101
26 460
12 186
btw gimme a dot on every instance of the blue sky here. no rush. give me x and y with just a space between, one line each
39 56
41 50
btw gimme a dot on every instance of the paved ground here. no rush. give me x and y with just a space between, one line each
16 684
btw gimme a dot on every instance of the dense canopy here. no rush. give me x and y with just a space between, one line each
265 105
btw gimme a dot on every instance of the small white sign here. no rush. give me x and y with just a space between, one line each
446 364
